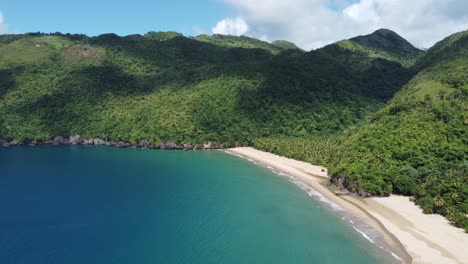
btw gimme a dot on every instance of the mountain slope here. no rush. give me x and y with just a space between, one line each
165 87
285 45
384 44
417 144
229 41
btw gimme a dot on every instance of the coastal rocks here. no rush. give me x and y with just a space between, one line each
121 144
145 144
197 146
364 194
208 145
188 146
169 145
75 139
339 182
88 141
100 142
4 143
58 140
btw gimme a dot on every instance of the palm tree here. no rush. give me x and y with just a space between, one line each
439 201
455 196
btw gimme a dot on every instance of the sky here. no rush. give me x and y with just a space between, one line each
308 23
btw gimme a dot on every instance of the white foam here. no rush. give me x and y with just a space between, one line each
284 174
397 257
364 235
313 193
235 154
251 160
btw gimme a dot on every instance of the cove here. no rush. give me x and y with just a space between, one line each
85 204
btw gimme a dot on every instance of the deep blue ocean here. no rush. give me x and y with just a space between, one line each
76 204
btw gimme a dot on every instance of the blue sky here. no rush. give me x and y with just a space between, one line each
308 23
123 17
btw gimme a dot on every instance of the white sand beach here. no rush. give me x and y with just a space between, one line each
412 235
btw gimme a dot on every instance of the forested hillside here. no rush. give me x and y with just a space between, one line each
166 87
416 145
383 44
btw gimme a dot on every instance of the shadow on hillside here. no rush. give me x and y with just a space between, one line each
179 51
84 91
290 80
320 87
8 80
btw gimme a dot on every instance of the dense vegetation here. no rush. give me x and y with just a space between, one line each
384 44
382 115
244 42
164 87
416 145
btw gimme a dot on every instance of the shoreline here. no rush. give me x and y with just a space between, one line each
78 140
413 236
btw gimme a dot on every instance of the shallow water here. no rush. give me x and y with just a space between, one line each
76 204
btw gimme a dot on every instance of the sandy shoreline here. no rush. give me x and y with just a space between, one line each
410 234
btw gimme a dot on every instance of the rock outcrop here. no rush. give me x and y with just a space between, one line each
58 140
75 139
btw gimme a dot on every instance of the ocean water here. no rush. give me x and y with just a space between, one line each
76 204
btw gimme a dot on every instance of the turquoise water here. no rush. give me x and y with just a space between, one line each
106 205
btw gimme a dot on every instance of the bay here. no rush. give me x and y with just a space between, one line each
77 204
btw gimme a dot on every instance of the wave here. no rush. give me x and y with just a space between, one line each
364 235
313 193
396 256
235 154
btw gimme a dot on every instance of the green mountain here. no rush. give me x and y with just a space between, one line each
374 58
229 41
162 36
180 89
285 45
383 44
417 144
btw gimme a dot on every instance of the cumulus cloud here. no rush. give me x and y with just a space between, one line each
231 26
315 23
3 26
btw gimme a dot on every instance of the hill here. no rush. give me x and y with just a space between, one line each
171 88
383 44
229 41
285 45
417 144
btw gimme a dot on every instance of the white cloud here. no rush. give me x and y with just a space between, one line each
314 23
3 26
229 26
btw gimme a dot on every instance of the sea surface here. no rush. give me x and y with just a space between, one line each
77 204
